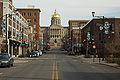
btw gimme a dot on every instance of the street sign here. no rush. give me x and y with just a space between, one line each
22 44
88 36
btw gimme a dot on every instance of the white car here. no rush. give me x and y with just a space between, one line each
40 52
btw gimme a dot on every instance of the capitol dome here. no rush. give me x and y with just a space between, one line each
56 15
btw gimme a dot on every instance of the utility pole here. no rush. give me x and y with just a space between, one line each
88 38
6 36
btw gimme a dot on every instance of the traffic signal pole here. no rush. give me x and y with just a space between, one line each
22 43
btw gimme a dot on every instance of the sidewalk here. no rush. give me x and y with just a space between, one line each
97 61
21 60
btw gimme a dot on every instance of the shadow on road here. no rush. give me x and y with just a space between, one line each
91 76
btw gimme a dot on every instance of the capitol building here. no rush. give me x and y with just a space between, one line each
55 33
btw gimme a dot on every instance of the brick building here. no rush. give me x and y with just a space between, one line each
106 39
32 15
13 29
75 32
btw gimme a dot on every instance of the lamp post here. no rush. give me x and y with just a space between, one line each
88 39
103 30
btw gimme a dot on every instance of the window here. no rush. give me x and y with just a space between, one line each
35 20
29 20
14 32
82 24
29 14
35 32
23 14
74 24
35 14
34 26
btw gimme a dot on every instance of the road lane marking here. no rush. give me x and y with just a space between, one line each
1 73
56 71
53 68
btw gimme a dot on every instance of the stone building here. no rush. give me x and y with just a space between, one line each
55 32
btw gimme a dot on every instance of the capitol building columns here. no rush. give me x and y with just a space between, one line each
56 31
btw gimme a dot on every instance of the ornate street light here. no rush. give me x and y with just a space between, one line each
105 30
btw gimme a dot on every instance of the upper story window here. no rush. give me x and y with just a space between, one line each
29 14
74 24
29 20
24 14
14 31
35 14
82 24
35 20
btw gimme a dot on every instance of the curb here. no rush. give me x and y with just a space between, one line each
111 65
21 61
114 65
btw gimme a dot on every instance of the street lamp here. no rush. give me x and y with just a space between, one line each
101 29
104 29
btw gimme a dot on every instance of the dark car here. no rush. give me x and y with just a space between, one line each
6 60
43 51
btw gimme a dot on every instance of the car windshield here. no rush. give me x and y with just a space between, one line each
4 56
32 53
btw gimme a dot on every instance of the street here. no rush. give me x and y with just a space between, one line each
58 66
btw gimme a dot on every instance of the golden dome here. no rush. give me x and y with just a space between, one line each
56 14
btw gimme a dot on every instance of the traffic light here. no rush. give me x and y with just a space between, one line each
94 46
92 42
84 40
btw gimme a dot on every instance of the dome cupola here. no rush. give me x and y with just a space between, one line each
56 15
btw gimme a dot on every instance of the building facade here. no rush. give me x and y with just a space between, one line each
45 37
105 35
12 29
56 32
32 15
75 33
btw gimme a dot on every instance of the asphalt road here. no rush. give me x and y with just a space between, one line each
58 66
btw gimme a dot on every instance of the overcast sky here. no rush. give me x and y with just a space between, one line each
72 9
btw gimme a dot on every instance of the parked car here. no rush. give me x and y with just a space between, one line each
6 60
43 51
33 54
71 53
40 52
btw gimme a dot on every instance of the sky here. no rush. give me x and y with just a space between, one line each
72 9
